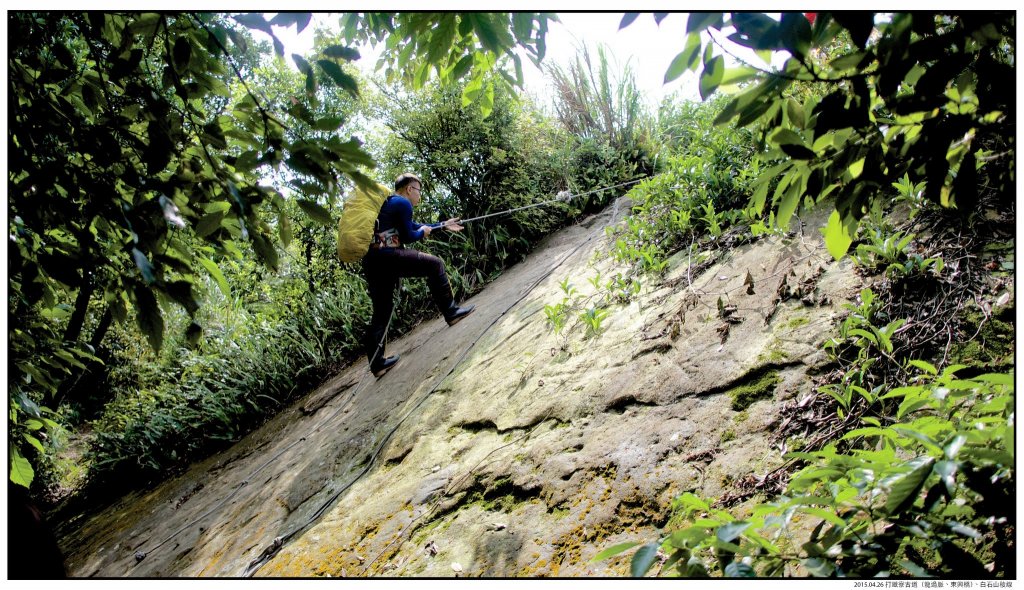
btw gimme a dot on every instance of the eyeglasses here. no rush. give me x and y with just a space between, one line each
415 188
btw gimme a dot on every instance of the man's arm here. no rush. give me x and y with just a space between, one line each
408 230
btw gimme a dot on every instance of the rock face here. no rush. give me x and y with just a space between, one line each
498 447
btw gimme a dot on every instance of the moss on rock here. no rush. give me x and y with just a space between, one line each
759 387
991 343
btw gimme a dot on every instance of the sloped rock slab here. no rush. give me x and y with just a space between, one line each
498 446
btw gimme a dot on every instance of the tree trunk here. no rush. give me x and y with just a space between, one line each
307 245
101 329
74 329
67 387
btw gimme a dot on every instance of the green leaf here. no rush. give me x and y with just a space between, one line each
182 53
711 77
737 75
708 53
924 366
149 317
921 437
193 334
145 266
954 446
643 560
788 204
848 61
738 569
284 19
352 152
522 26
485 31
462 68
914 569
215 135
689 537
613 551
695 568
145 24
858 23
997 378
21 470
212 268
264 249
688 58
964 530
797 151
699 21
857 168
678 66
795 33
825 515
441 39
159 150
675 559
946 470
35 443
254 21
209 223
786 136
796 113
839 234
812 548
339 77
302 64
627 19
818 567
316 212
284 229
758 198
904 491
487 100
341 52
729 532
329 123
181 292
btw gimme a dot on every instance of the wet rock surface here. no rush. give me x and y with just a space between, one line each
497 447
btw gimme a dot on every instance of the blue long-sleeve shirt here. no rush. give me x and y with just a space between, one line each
396 213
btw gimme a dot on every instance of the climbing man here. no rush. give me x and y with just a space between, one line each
388 260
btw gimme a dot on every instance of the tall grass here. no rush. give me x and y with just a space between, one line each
250 365
595 99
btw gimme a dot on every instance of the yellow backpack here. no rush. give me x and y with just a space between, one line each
358 214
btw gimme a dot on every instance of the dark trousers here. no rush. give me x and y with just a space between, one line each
383 268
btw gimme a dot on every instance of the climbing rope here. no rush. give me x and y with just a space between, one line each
563 197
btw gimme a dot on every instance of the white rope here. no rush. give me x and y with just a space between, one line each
562 197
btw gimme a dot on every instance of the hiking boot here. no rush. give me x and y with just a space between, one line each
453 317
384 366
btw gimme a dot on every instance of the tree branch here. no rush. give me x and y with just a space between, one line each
815 77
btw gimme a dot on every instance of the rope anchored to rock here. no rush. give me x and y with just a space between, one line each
560 197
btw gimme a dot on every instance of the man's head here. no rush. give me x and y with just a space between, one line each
408 185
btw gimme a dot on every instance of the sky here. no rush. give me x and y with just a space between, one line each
645 46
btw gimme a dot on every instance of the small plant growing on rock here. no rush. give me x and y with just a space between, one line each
556 315
592 318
